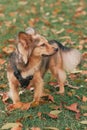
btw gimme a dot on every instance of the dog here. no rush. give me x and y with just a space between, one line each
65 60
24 65
36 59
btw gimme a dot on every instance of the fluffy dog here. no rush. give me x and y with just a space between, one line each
25 64
65 60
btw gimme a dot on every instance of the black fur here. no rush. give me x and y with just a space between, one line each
64 48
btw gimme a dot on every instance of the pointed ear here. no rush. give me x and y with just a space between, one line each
25 39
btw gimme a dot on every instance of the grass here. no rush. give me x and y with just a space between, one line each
48 17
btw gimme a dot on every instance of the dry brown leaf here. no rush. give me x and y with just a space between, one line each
2 15
78 115
69 31
3 85
22 3
85 114
25 106
2 61
18 105
84 55
84 99
4 96
39 114
80 13
9 49
84 72
73 107
19 127
52 116
11 41
35 128
33 21
51 98
8 23
12 14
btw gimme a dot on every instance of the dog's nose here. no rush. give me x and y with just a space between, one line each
55 49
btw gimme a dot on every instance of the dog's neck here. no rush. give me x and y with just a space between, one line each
33 66
33 60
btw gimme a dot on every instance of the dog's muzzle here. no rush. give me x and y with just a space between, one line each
55 50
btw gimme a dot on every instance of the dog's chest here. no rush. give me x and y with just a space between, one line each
31 70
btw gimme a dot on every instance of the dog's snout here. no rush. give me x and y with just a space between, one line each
55 49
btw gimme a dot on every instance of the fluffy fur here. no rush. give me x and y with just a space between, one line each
39 57
28 59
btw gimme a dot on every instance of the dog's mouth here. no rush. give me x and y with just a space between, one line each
47 55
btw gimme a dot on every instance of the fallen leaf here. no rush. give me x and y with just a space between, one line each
55 112
25 106
85 114
52 116
19 127
84 99
84 55
83 107
10 125
2 61
18 105
22 3
8 23
84 122
39 114
67 129
50 128
69 31
60 31
51 98
35 128
72 107
84 72
78 115
3 85
8 49
11 41
2 15
4 96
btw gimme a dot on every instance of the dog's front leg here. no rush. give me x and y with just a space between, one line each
13 85
13 93
38 84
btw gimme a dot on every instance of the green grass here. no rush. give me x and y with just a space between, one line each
50 16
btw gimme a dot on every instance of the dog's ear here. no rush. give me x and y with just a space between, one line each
25 39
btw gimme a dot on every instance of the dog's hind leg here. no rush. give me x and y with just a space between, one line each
61 78
57 70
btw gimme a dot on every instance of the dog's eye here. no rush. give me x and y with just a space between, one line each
43 44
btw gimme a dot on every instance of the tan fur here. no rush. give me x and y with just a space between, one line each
58 63
33 67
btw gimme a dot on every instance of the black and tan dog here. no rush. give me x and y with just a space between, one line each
25 64
34 56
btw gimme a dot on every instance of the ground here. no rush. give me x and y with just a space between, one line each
66 21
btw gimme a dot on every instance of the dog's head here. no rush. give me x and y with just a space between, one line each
44 50
42 47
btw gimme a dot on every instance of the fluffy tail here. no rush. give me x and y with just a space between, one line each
71 57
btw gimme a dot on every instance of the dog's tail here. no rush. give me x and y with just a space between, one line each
71 57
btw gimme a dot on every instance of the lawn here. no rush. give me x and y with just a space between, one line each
63 20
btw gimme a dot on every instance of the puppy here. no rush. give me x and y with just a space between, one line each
26 61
